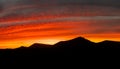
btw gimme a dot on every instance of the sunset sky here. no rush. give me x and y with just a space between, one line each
24 22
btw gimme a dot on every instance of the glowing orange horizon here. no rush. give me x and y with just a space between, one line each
54 39
51 32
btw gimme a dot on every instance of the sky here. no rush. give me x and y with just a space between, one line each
24 22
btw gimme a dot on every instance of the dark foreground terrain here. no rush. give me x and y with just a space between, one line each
64 52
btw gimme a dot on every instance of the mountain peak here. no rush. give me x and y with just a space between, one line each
108 41
80 39
38 45
79 42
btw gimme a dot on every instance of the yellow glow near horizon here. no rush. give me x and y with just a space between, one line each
51 41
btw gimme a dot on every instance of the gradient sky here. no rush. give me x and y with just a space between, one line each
23 22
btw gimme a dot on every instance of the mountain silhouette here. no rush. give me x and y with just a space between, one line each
61 52
108 44
38 45
79 42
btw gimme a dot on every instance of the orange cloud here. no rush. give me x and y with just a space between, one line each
26 34
57 25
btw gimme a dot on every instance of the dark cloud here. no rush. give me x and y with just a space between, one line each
91 2
57 8
16 7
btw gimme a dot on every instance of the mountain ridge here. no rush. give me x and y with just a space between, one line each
65 51
79 42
